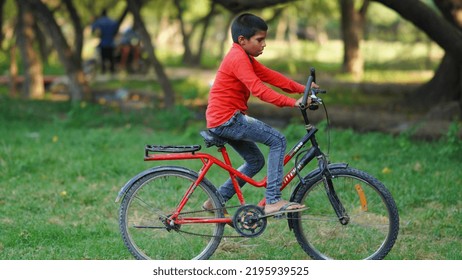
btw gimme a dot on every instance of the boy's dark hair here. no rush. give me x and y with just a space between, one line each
247 25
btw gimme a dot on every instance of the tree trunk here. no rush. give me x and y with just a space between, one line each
71 60
2 5
187 53
449 74
189 57
446 85
13 89
44 48
207 20
169 95
353 33
78 29
32 86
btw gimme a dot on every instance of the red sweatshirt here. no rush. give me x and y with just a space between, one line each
239 75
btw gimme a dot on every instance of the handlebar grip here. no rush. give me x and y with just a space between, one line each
311 79
313 73
307 92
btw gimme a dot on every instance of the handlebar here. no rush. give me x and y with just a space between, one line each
312 93
313 74
305 94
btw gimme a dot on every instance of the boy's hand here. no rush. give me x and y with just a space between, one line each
297 103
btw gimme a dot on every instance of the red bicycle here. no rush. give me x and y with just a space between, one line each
351 214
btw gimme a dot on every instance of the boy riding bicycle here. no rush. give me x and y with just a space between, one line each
239 75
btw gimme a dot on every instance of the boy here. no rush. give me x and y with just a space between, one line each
239 75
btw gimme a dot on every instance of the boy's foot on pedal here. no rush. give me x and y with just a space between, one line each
282 207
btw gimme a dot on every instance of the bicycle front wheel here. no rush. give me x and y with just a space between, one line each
370 223
146 207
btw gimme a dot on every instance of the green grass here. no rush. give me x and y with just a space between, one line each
61 167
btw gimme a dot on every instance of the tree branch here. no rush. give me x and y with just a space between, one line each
436 27
363 9
238 6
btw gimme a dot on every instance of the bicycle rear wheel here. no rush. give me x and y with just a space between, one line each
151 200
373 220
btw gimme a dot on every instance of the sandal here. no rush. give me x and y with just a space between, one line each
285 209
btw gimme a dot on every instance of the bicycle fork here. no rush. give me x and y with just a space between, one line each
342 215
323 167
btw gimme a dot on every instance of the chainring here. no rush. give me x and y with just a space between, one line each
249 221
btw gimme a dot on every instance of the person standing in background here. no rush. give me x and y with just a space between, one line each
107 29
130 48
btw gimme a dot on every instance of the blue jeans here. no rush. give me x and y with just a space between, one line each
242 133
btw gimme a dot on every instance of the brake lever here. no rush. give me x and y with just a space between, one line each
315 102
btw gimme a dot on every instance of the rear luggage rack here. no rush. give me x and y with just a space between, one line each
171 149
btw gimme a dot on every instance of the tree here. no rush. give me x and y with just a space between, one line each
448 76
189 58
32 86
353 32
70 58
2 5
134 6
446 85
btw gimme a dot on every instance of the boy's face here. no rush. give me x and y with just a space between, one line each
255 45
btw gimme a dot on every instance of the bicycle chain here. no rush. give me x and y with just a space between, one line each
209 235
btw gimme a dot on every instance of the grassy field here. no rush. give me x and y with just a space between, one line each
62 165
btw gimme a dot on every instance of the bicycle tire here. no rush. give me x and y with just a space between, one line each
152 198
374 220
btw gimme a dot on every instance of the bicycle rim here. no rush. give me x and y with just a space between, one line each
147 205
373 226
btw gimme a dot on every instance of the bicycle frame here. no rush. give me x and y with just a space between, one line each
209 160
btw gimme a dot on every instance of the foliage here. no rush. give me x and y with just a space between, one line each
323 16
451 144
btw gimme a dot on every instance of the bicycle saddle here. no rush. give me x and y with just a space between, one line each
211 139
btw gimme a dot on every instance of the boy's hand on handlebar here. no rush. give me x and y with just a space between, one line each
308 101
299 101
